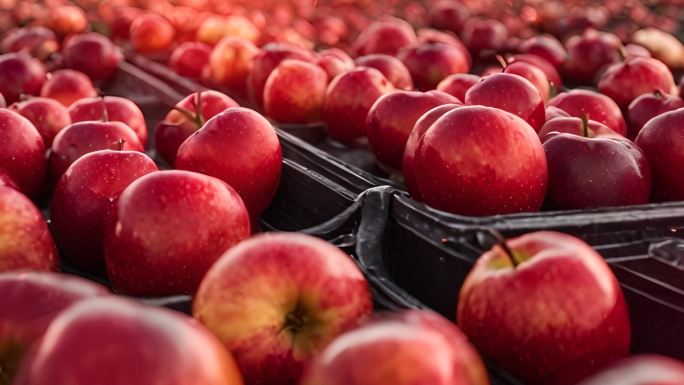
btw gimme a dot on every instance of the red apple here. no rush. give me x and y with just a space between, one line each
47 115
121 20
659 140
240 147
113 109
26 243
68 19
533 74
276 300
392 118
205 216
648 106
86 197
626 81
594 106
458 84
183 121
590 53
23 156
39 41
411 347
481 161
541 63
547 47
230 63
295 92
573 125
81 138
347 101
484 35
553 112
30 301
189 59
419 129
335 61
510 93
151 33
646 369
430 63
156 345
20 74
93 54
67 86
217 27
392 68
448 15
386 36
637 50
546 308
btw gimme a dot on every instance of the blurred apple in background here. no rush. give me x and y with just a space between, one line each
151 33
20 74
68 19
448 15
589 53
110 109
230 64
67 86
23 157
93 54
664 46
481 35
592 105
625 81
295 92
430 63
216 27
47 115
547 47
648 106
532 73
189 59
387 36
392 68
458 84
335 61
38 41
541 63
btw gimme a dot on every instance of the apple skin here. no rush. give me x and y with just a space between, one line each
348 99
20 74
648 106
113 109
78 139
556 317
216 27
392 68
432 36
6 180
645 369
189 58
472 158
230 64
419 129
30 301
589 53
176 127
151 33
267 291
93 54
541 63
26 243
334 61
511 93
430 63
295 92
532 73
553 112
23 157
661 140
448 15
405 348
458 84
594 171
595 106
240 147
86 197
547 47
68 19
205 215
625 81
391 119
154 344
484 35
48 116
39 41
575 126
387 36
67 86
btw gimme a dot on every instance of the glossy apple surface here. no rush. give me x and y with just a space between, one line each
112 109
458 84
575 126
532 73
645 369
93 54
392 68
648 106
541 63
625 81
589 53
594 106
550 313
67 86
334 61
20 74
189 59
295 92
47 115
24 155
276 300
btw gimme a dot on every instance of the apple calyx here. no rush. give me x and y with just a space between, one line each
11 353
501 242
296 320
658 93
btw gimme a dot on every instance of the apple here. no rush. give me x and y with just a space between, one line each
93 54
80 138
121 20
39 41
23 156
7 180
230 63
387 36
183 120
547 47
30 301
217 27
572 125
664 46
625 81
430 63
481 35
457 84
68 19
532 73
391 119
472 159
276 300
86 197
553 112
189 59
644 369
156 345
20 74
295 92
67 86
392 68
48 116
589 53
648 106
545 307
151 33
511 93
405 348
417 132
659 140
593 105
240 147
113 109
448 15
541 63
335 61
27 243
348 99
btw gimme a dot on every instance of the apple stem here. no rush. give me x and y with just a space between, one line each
188 115
502 61
553 91
622 51
501 241
585 125
198 107
121 143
